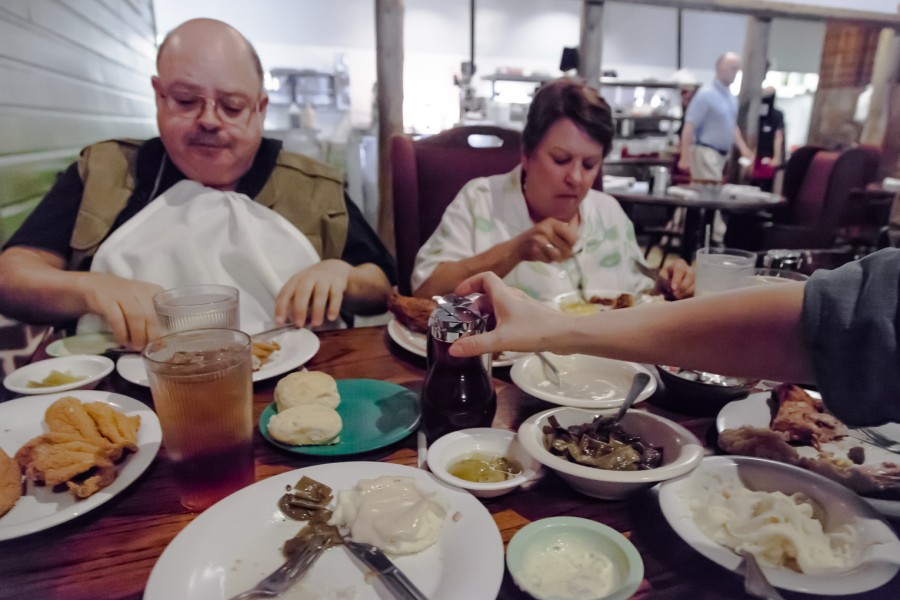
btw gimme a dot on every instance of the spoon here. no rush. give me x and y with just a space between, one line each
755 582
638 384
550 368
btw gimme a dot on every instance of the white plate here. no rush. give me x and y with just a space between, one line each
85 343
297 347
91 368
574 298
587 381
416 343
842 506
754 411
23 419
202 563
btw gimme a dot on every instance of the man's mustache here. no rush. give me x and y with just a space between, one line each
207 140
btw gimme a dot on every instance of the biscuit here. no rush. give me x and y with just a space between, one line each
306 387
10 483
308 424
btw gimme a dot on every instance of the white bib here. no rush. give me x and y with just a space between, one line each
193 234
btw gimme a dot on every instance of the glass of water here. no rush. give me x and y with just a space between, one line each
722 269
198 307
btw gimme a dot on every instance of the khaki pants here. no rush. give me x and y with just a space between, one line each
706 163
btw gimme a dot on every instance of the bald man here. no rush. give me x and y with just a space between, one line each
302 251
710 124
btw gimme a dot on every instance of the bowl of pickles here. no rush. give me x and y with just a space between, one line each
484 461
80 371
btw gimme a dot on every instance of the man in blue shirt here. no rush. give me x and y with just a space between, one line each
710 125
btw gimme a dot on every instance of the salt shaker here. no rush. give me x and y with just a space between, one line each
458 392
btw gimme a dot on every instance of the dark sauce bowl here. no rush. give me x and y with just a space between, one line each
700 394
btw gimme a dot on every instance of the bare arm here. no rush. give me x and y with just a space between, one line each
779 144
687 142
755 332
35 287
551 240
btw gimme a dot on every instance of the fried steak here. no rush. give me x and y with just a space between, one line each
10 483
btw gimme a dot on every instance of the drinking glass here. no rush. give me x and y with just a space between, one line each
764 276
723 269
198 307
202 388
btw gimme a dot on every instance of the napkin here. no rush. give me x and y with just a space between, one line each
192 234
891 184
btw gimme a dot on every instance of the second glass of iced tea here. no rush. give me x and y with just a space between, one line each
202 388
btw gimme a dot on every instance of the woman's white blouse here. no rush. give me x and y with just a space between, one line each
492 210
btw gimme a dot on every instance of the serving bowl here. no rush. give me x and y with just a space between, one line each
90 368
559 535
699 393
878 543
482 440
682 452
587 381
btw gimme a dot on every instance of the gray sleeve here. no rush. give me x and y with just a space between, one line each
850 319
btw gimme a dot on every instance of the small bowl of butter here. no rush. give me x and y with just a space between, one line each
484 461
568 558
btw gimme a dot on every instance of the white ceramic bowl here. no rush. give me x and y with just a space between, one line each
880 554
92 368
537 537
586 381
682 452
500 442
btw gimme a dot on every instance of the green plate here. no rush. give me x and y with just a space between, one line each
374 414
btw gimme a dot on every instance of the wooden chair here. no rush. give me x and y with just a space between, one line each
429 172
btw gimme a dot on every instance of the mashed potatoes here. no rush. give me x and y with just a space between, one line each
780 530
392 513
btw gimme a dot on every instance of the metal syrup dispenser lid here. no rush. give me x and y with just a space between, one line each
455 317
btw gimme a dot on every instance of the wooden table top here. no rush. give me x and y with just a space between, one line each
109 552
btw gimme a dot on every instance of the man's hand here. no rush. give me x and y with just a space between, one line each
314 294
549 241
125 304
680 278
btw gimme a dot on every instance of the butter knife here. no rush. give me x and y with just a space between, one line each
664 288
398 583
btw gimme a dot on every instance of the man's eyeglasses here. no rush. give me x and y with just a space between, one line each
234 109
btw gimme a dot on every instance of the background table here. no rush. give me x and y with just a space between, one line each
698 215
109 552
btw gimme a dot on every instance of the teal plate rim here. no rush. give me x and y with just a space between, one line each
375 414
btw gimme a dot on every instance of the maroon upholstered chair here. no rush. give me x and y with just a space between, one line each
818 203
427 175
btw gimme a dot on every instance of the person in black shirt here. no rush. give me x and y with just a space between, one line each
769 142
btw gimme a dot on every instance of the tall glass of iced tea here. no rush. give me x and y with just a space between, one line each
202 387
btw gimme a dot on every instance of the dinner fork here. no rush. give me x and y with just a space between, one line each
755 582
875 438
579 285
284 576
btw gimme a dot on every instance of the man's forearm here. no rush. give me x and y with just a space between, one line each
368 289
35 288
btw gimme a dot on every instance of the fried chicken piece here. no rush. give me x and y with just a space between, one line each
10 483
755 441
803 418
413 313
116 427
98 479
69 415
53 459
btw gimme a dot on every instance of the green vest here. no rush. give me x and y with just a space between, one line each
307 193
